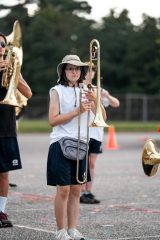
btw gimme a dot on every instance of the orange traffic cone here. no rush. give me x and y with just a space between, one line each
111 143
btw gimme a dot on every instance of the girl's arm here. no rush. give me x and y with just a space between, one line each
113 102
55 117
24 88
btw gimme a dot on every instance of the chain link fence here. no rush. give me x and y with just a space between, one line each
133 107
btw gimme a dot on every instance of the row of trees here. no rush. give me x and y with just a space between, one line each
130 55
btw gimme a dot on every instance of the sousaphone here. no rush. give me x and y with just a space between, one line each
11 75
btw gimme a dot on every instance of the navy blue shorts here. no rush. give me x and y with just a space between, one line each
95 146
62 171
9 154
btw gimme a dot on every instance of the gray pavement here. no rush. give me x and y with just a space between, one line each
130 201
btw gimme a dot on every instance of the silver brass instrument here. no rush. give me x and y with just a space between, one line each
150 158
98 120
11 74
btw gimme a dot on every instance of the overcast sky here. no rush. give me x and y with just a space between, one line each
102 8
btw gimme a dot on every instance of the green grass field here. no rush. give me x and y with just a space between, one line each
42 126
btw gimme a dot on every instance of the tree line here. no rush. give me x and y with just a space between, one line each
130 55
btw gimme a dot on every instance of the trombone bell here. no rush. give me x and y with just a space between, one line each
98 120
150 158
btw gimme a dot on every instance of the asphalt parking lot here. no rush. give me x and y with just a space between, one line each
130 201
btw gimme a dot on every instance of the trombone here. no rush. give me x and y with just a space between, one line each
98 119
95 56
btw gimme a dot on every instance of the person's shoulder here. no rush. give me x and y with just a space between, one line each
57 86
60 86
52 89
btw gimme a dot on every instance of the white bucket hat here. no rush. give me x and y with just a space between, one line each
71 59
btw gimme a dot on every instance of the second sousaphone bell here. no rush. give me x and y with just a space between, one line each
150 158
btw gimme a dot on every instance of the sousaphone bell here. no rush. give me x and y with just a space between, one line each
150 158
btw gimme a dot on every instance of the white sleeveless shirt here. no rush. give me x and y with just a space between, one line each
69 100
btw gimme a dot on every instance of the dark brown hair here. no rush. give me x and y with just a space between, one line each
63 80
2 35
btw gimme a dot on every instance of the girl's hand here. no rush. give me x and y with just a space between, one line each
92 95
85 106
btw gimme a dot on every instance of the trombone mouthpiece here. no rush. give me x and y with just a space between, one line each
89 86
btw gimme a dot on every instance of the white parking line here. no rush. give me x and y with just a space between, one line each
47 231
35 229
128 238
